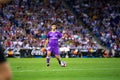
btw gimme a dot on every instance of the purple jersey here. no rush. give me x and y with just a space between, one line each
53 38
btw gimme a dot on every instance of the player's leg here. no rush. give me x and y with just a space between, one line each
58 58
48 58
57 54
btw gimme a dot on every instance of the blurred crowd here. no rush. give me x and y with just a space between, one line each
101 17
25 24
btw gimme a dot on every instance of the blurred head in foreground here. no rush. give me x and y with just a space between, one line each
5 72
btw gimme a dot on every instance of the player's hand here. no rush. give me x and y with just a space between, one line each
64 36
44 47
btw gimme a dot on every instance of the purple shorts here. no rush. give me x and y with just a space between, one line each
54 50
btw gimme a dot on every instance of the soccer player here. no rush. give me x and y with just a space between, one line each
5 72
53 46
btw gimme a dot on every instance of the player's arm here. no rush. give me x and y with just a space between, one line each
46 42
64 36
61 36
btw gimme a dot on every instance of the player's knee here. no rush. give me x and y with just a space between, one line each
48 54
57 56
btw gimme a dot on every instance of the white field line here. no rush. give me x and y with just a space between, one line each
59 70
56 61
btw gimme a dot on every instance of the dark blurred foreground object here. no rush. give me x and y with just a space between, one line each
4 1
2 57
5 72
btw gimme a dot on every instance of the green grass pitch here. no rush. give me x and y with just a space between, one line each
77 69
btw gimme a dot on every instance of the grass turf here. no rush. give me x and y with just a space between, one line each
77 69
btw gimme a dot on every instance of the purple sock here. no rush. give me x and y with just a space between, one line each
48 60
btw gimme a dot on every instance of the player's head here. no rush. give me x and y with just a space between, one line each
53 27
5 72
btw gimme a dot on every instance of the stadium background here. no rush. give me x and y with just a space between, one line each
92 28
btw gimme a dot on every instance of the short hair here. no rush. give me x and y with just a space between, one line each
2 57
55 23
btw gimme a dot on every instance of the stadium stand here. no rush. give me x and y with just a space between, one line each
101 17
25 23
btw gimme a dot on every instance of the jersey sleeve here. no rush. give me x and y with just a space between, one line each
48 35
59 35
